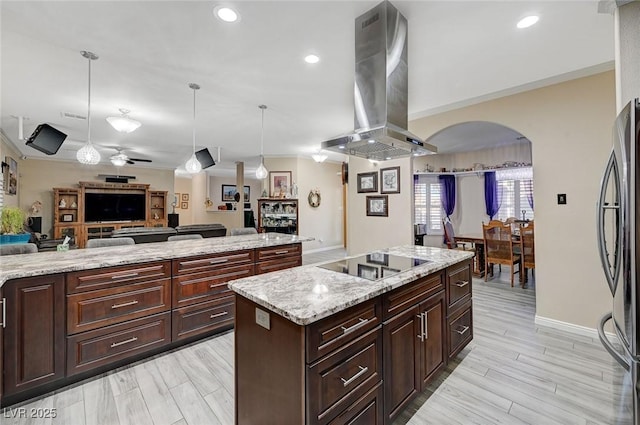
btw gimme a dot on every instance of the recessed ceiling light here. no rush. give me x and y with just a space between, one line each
311 59
527 21
226 14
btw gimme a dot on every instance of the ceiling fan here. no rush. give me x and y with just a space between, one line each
120 158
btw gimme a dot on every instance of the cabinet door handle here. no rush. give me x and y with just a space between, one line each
126 341
286 251
218 261
346 382
421 317
426 323
124 276
464 329
134 302
350 329
4 312
213 316
462 283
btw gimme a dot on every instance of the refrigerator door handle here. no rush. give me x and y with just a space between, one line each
608 345
611 271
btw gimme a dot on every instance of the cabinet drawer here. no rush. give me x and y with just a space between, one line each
205 286
458 282
328 334
407 296
460 330
91 310
367 410
202 318
100 347
281 264
342 377
90 280
263 254
213 262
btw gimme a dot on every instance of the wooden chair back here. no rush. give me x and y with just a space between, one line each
449 235
498 242
527 245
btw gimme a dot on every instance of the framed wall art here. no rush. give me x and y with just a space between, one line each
378 206
390 180
229 192
184 205
368 182
279 183
185 197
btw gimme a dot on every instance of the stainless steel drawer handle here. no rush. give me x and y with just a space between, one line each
286 251
213 316
421 317
134 302
346 382
463 331
360 324
124 276
4 312
126 341
462 283
219 261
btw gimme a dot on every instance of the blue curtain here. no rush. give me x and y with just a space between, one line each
448 193
491 199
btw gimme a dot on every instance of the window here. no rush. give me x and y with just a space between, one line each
428 206
515 199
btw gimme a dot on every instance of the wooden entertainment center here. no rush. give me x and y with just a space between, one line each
69 209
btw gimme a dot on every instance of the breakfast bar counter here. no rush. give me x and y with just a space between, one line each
314 344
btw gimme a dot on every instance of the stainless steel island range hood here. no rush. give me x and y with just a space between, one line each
381 91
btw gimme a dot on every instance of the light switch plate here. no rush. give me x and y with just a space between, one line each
562 198
263 319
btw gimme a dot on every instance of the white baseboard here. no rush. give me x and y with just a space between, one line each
326 248
572 328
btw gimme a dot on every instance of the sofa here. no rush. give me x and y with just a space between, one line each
213 230
145 234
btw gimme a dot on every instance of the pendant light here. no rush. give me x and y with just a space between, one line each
123 123
193 166
261 172
88 154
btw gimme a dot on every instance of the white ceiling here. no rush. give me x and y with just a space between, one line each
459 52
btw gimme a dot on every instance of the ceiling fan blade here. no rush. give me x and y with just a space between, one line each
130 162
140 159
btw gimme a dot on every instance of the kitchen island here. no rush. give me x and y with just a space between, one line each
348 342
69 315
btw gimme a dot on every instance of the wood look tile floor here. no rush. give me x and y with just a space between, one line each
513 372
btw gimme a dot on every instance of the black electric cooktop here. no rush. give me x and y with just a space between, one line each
374 266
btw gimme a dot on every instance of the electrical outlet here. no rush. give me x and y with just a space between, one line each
263 319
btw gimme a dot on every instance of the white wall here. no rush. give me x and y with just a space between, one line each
369 233
569 126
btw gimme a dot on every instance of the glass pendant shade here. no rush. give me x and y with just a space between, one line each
193 166
262 172
88 154
123 123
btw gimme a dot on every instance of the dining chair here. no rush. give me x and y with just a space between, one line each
20 248
498 247
100 243
527 249
450 237
243 231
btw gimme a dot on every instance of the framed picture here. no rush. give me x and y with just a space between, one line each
378 258
185 197
67 217
367 182
10 175
184 205
176 200
367 272
390 180
229 193
378 206
279 183
388 271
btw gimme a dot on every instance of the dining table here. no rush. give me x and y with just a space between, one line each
477 241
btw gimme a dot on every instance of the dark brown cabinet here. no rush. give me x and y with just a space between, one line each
33 343
459 313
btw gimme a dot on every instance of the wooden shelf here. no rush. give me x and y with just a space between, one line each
464 173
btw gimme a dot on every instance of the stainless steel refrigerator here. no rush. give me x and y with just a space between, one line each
619 246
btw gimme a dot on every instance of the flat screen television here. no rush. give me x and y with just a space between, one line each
99 207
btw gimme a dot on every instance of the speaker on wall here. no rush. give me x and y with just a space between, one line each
205 159
46 139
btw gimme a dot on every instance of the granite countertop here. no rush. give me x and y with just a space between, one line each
27 265
307 294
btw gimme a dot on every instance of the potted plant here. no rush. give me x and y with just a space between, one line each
12 221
